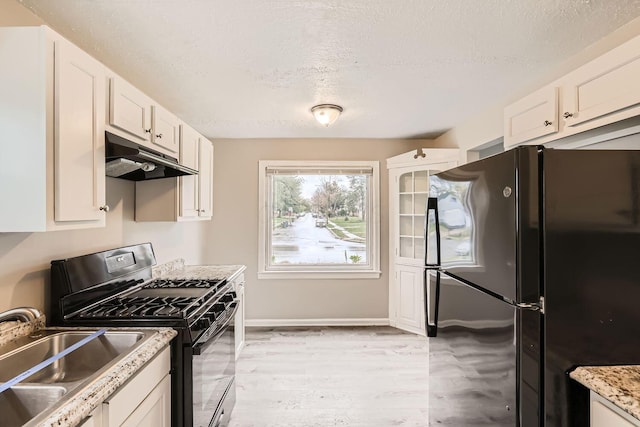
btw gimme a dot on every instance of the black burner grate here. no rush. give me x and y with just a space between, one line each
185 283
144 307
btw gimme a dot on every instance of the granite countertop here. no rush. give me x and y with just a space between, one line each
177 270
84 400
618 384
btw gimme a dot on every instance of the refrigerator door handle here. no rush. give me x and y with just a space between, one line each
535 306
431 304
432 205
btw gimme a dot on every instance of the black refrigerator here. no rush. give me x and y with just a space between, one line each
532 268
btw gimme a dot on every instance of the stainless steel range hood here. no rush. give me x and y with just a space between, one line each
128 160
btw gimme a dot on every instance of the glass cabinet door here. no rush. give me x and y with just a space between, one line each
413 191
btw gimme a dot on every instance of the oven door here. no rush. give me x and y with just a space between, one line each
213 375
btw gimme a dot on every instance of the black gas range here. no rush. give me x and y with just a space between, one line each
115 288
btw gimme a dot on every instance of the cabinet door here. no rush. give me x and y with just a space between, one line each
79 168
531 117
410 298
238 320
166 127
604 413
155 409
189 189
607 85
94 419
129 109
144 399
205 178
412 189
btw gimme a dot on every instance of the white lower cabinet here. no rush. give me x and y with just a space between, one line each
410 298
144 400
94 419
606 414
238 320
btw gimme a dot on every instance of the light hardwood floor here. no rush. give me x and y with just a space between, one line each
331 376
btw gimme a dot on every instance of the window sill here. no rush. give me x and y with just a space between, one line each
357 274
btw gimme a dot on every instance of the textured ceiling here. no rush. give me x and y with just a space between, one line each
400 69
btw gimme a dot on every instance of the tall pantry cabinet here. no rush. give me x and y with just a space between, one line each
408 193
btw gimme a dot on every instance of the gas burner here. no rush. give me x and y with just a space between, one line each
185 283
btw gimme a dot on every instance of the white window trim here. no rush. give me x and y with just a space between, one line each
338 272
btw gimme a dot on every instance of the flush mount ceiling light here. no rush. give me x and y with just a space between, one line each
326 114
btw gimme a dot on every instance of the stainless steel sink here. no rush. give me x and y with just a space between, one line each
75 366
19 404
57 383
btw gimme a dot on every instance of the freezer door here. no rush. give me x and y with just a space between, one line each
472 358
486 228
592 274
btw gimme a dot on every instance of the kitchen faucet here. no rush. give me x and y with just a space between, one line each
25 314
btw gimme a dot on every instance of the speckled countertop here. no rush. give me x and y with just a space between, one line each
618 384
177 270
86 398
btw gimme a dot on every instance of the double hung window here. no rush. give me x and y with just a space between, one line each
319 219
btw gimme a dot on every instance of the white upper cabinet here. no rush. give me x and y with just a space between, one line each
532 117
186 198
166 130
205 178
51 133
603 91
607 85
195 191
135 116
79 166
189 190
129 109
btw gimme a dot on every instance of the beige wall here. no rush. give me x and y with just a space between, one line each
25 257
487 125
233 233
13 13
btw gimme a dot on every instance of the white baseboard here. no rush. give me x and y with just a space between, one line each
316 322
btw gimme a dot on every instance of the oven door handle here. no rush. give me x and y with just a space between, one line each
210 337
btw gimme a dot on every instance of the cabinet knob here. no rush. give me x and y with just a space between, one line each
104 208
547 123
147 130
567 114
159 135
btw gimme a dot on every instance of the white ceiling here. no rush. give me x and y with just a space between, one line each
400 69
